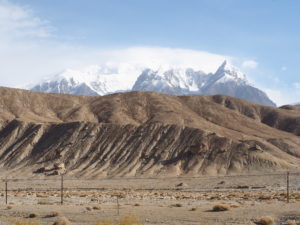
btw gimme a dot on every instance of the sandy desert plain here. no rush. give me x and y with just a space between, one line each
153 200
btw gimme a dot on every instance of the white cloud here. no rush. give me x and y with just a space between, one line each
284 68
158 56
23 62
276 96
296 85
18 21
249 64
283 96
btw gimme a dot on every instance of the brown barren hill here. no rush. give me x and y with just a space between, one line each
143 134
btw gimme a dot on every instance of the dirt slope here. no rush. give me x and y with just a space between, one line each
143 134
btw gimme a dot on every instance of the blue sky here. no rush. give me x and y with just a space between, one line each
261 37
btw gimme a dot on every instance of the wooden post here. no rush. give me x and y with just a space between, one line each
62 190
118 206
288 187
6 192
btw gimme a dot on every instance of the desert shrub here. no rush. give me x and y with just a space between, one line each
264 197
54 214
137 204
40 195
121 195
83 195
33 215
96 207
193 209
177 205
215 197
44 203
221 207
62 221
88 208
266 220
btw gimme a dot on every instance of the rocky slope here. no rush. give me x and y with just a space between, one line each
143 134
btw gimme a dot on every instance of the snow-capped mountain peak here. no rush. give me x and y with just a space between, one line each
111 78
227 72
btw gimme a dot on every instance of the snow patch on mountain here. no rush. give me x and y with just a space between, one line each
179 81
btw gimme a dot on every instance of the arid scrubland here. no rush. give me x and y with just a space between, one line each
167 201
146 158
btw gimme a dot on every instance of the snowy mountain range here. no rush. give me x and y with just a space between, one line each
102 80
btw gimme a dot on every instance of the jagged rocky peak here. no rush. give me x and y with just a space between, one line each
229 72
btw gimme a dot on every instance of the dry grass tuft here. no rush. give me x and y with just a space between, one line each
234 206
104 223
130 220
127 220
88 208
137 204
265 220
24 222
291 222
9 207
62 221
221 207
44 203
193 209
